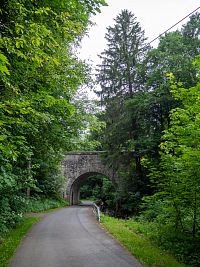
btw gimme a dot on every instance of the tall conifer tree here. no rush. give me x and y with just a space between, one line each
118 73
118 70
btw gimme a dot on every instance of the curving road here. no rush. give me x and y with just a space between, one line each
71 237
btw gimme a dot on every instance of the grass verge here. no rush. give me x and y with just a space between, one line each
138 244
12 240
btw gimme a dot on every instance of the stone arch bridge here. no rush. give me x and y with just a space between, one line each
78 166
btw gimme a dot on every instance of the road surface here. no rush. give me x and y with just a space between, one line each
71 237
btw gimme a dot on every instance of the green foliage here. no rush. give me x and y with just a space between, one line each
39 75
121 93
151 103
3 64
118 77
118 73
182 245
120 201
101 190
137 108
175 205
43 204
88 123
129 234
11 204
179 166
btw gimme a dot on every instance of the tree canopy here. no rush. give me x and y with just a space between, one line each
39 76
150 108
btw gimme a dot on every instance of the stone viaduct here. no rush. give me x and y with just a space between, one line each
78 166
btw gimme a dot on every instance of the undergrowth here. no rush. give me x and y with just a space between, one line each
42 204
137 238
182 245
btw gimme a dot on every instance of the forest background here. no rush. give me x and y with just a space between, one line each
148 123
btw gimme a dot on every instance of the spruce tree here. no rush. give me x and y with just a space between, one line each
125 47
120 81
118 75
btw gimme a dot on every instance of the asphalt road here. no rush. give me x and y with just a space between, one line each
71 237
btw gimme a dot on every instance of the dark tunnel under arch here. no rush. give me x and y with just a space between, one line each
78 182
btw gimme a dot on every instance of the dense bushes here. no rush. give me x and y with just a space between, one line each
42 204
181 244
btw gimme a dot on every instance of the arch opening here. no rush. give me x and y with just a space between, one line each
90 185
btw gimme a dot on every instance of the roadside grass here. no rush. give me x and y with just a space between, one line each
12 240
139 244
